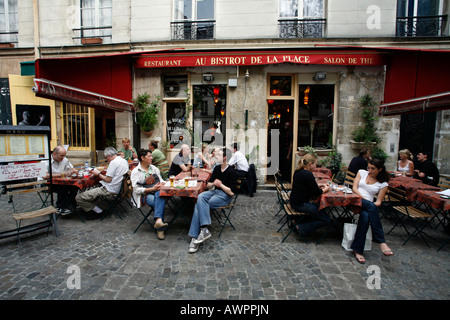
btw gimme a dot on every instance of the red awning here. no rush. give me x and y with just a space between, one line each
423 104
61 92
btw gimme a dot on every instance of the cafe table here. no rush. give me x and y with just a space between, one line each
435 204
189 194
325 171
411 185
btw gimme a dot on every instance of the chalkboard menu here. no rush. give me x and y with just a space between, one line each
24 152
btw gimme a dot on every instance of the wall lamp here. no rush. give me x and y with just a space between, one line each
320 76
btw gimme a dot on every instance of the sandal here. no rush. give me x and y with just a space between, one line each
388 252
360 258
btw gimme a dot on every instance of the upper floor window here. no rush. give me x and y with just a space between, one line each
193 19
96 21
8 21
301 18
420 18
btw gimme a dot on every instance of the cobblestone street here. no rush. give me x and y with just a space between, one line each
249 263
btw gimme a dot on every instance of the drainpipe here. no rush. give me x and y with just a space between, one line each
37 53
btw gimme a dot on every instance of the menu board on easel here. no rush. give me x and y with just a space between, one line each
24 152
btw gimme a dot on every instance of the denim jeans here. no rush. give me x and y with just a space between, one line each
206 200
368 215
315 218
158 204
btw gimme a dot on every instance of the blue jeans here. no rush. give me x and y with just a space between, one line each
315 218
158 204
206 200
368 215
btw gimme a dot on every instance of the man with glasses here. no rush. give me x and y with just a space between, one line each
110 182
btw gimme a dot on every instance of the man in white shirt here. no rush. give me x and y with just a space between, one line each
61 164
110 182
239 161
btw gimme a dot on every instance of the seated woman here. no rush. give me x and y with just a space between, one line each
159 160
305 191
405 164
369 185
145 192
202 159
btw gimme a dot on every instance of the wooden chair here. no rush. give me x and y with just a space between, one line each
294 219
19 191
409 214
349 178
444 183
102 162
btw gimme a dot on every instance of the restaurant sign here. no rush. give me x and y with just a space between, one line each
261 58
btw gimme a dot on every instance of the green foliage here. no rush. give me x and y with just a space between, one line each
310 150
367 133
335 160
379 153
147 111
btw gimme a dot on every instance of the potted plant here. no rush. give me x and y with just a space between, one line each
366 135
147 112
335 161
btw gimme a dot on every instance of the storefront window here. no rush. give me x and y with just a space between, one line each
209 107
315 117
280 86
75 126
176 122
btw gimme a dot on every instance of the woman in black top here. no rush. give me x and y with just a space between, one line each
305 191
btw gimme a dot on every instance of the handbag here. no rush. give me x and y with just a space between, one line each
349 236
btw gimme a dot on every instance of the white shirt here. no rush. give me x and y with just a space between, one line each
403 169
116 169
58 167
138 175
369 191
239 159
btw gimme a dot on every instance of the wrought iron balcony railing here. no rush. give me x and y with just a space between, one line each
429 26
301 28
9 38
93 35
193 30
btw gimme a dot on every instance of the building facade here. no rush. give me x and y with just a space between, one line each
273 75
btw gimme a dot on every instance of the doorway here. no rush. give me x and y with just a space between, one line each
280 118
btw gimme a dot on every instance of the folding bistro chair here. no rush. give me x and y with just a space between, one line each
222 214
417 218
145 216
293 220
122 195
19 191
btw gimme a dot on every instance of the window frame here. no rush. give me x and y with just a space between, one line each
89 116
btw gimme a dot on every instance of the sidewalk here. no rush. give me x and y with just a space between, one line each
249 263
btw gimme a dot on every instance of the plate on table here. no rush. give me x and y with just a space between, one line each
445 197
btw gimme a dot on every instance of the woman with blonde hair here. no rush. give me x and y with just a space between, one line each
405 164
305 192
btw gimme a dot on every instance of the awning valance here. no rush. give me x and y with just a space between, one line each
61 92
249 58
422 104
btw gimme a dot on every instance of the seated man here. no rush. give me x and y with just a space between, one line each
239 161
427 172
224 180
146 181
110 182
129 151
360 162
60 165
181 162
159 160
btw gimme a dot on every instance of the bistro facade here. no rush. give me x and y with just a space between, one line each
273 102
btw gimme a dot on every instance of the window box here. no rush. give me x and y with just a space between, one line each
91 40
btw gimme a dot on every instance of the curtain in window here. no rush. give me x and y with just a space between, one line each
288 8
312 8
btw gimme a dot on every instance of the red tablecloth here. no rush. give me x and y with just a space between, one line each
325 171
191 192
411 186
340 199
433 199
82 183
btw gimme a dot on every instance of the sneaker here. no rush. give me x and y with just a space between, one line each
204 235
65 212
193 247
